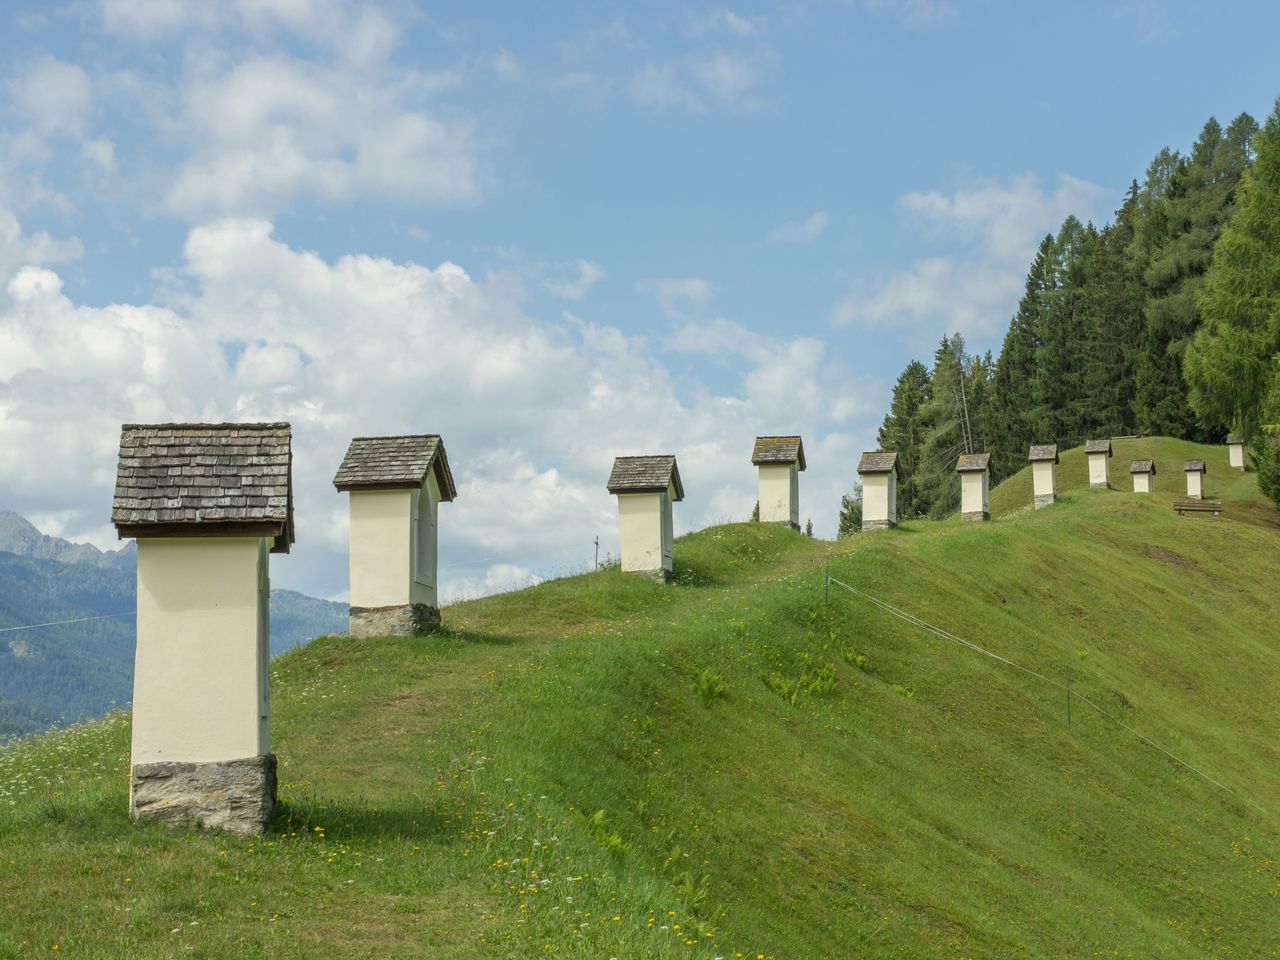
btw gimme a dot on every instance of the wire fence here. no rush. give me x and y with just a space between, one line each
1071 695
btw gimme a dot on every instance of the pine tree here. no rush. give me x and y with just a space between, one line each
1183 214
1056 386
850 514
947 428
1111 305
1009 428
1229 363
903 431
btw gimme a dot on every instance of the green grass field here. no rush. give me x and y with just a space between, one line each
730 766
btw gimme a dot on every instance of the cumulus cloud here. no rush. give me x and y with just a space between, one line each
532 412
699 83
734 23
272 129
800 231
678 296
574 280
992 230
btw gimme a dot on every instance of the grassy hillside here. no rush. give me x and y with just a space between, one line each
728 766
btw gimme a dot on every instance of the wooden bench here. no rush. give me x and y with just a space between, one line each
1197 506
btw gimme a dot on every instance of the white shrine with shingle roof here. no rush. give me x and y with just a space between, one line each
779 461
395 486
1098 453
879 472
207 503
975 485
1043 458
646 487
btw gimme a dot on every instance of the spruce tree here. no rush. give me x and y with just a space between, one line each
947 428
1009 427
903 432
1184 213
1111 306
1229 364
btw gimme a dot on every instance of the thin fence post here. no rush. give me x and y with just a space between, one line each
826 581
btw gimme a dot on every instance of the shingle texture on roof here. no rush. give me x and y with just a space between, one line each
778 450
649 474
173 477
973 462
1043 451
1098 446
387 462
878 461
1142 466
1194 466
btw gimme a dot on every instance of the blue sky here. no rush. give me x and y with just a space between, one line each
553 235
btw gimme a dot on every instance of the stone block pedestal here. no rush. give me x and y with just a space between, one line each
1045 500
401 620
238 796
976 515
877 525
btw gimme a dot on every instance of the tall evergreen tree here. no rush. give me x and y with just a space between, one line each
1229 364
947 428
1056 386
903 431
1009 428
1184 213
1111 306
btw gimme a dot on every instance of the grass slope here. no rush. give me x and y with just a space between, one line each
556 774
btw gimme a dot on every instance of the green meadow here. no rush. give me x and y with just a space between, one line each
735 766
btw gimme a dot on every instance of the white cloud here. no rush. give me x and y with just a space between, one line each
727 20
678 296
720 80
358 32
918 13
55 97
991 230
271 130
800 231
532 413
583 275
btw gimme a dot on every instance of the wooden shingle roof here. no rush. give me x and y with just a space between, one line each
1043 451
878 461
1098 446
201 479
651 474
389 463
973 462
1143 466
778 450
1194 466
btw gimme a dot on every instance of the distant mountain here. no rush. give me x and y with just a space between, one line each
20 536
66 672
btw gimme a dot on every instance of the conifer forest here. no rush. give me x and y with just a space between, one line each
1165 321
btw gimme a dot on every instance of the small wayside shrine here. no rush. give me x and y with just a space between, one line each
646 487
879 472
395 485
1098 453
206 503
1044 473
779 461
1235 451
1195 471
975 485
1144 472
